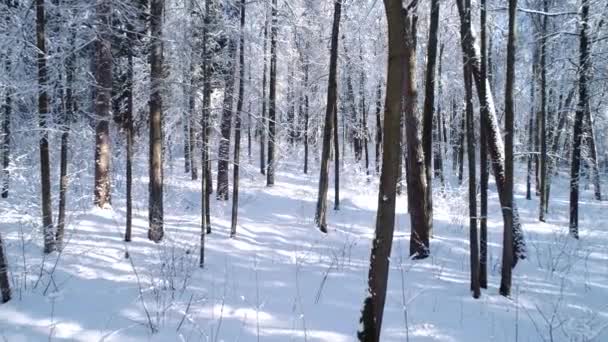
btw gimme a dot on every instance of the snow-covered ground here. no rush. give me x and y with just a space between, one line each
281 279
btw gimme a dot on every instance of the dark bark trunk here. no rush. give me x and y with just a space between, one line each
206 187
129 137
592 151
5 287
337 158
272 107
507 206
103 79
68 112
583 106
263 123
428 110
155 204
531 130
237 126
378 126
226 125
192 127
483 161
439 126
543 116
461 142
43 112
330 123
306 116
363 111
6 134
373 307
470 136
417 186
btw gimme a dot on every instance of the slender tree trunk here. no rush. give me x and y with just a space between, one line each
206 128
6 134
186 129
373 307
454 135
470 136
429 103
363 110
507 206
129 136
226 124
330 122
192 127
155 204
306 116
440 123
531 130
337 157
5 287
461 141
43 111
378 126
68 112
583 106
543 116
263 123
272 97
103 78
483 160
237 126
593 165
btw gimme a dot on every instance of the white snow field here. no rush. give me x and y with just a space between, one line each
281 279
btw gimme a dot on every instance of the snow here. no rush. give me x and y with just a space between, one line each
281 279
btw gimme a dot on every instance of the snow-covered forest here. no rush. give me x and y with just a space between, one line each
306 170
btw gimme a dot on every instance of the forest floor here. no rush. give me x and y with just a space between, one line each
281 279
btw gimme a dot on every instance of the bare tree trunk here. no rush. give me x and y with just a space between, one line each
507 206
237 126
429 103
373 307
439 125
192 127
6 134
337 157
129 135
417 186
363 110
330 123
470 135
155 204
43 111
583 106
68 112
593 165
103 78
226 124
378 126
483 160
461 141
543 116
5 286
306 116
263 123
272 97
531 130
